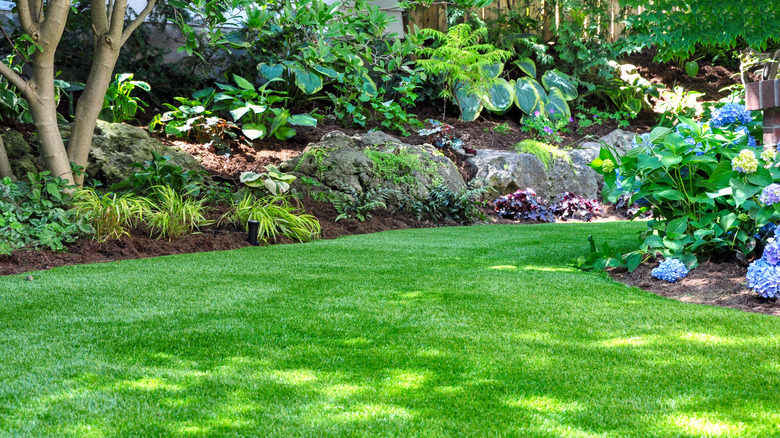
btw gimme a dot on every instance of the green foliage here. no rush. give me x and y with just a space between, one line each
119 106
593 116
12 104
443 205
36 214
677 103
702 184
110 214
348 203
273 180
194 119
546 153
174 215
677 27
159 172
277 218
398 166
500 129
466 65
544 127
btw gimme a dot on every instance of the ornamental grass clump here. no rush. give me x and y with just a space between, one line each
670 270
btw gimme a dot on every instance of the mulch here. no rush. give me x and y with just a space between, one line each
712 283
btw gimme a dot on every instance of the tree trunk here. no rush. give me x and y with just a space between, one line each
89 105
5 165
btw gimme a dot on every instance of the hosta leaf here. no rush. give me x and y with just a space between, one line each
238 113
251 179
302 120
530 96
555 79
270 71
243 83
527 66
499 97
284 132
492 71
470 104
308 81
325 71
254 131
557 103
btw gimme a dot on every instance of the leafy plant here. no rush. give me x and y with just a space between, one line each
36 214
546 127
277 218
194 119
523 204
677 103
110 214
593 116
174 215
398 166
500 129
567 205
469 69
701 181
348 203
119 106
445 205
159 172
273 180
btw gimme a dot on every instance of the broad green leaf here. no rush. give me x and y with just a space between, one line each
692 68
325 71
721 175
239 112
676 227
670 195
727 221
270 71
658 133
673 245
555 79
492 71
129 107
369 87
653 241
279 121
557 103
243 83
284 132
254 131
633 261
470 104
761 177
302 120
308 81
668 160
499 97
530 96
689 260
527 66
251 179
742 192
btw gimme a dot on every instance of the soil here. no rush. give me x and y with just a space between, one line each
720 284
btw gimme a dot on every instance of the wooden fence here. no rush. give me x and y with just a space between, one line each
547 13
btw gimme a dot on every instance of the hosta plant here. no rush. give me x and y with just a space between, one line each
273 180
702 182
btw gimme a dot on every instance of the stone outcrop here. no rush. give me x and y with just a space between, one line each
359 163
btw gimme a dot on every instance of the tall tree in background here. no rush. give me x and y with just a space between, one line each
42 23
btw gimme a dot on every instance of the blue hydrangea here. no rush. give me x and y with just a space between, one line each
772 253
729 114
644 141
770 194
683 129
763 278
670 270
751 141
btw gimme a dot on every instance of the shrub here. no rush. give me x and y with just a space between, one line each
36 214
174 215
701 182
567 205
159 172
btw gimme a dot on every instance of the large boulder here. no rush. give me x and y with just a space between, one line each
115 146
20 154
360 163
506 172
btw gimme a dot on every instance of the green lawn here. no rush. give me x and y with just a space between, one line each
467 331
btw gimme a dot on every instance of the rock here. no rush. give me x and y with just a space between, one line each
20 154
620 140
115 146
506 172
359 163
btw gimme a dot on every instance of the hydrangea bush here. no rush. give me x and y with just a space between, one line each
670 270
763 275
708 187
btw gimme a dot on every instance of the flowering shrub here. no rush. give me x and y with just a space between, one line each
570 206
763 275
523 204
670 270
706 185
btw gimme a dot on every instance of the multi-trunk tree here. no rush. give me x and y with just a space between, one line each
42 23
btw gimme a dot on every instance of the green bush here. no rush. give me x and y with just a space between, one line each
277 218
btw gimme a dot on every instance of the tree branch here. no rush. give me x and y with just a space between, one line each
25 17
11 43
117 21
99 16
138 20
17 81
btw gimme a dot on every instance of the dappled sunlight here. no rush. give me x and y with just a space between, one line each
504 267
149 384
704 424
548 269
623 342
293 377
543 404
343 390
406 379
707 338
372 412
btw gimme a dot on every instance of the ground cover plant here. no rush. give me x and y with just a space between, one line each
355 337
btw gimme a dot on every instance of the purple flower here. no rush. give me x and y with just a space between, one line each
552 111
772 253
548 130
536 113
770 194
571 119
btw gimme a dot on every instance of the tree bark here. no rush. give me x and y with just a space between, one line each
5 165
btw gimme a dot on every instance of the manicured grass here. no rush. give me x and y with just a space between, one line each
481 331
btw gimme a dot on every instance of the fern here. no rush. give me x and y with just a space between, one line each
460 58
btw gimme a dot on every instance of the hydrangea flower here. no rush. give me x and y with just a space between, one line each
772 253
769 155
670 270
644 141
751 141
730 113
745 162
608 166
770 194
763 277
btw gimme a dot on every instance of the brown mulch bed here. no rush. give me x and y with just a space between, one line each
711 283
